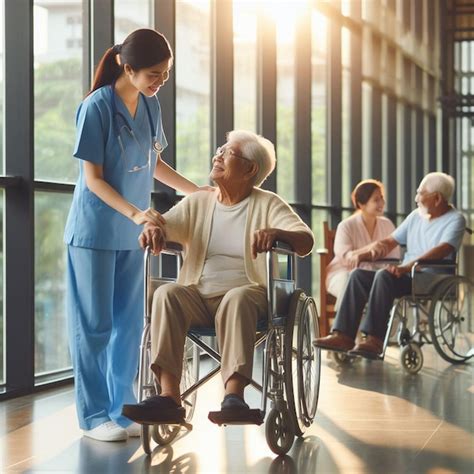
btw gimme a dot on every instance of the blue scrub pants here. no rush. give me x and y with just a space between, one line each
105 316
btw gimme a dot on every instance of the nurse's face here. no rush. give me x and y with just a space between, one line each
149 80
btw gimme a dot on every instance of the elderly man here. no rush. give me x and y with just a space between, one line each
222 281
433 232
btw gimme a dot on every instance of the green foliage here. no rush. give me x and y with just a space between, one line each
58 92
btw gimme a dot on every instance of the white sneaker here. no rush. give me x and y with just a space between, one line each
108 431
134 430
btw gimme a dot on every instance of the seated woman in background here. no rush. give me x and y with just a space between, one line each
365 226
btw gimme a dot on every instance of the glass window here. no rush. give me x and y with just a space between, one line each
193 89
51 342
366 129
245 65
131 15
285 39
346 115
2 303
58 86
2 48
318 217
318 108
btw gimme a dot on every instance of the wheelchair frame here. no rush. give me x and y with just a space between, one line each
292 387
425 330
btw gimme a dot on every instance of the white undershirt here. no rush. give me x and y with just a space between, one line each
224 266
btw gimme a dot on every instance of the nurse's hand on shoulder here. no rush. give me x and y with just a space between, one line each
152 236
149 216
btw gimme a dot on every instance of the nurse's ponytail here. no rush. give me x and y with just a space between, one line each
141 49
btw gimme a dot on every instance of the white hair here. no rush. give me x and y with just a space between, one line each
257 149
441 183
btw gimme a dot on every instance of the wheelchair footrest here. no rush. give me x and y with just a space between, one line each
237 417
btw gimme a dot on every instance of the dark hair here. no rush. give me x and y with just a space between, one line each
364 190
141 49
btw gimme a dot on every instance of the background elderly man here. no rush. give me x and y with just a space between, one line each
222 281
433 231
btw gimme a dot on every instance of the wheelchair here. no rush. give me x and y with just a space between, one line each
442 316
291 364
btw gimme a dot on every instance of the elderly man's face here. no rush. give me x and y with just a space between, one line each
229 164
426 200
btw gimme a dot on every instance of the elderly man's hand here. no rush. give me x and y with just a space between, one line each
153 237
263 240
399 270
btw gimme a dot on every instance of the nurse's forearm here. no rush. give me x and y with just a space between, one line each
95 182
170 177
111 197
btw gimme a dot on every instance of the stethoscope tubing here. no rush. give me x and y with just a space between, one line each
115 113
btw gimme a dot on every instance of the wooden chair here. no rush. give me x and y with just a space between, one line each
327 301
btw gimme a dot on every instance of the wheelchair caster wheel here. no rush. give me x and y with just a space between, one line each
279 431
164 434
145 436
411 358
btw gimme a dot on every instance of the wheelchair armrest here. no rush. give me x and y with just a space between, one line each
322 251
395 261
173 248
170 248
282 248
432 264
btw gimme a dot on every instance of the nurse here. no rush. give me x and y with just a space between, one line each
118 144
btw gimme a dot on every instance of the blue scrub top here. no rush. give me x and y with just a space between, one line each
92 223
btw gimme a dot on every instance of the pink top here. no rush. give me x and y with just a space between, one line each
351 234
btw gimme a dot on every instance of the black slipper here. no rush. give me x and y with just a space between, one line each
234 411
155 410
233 402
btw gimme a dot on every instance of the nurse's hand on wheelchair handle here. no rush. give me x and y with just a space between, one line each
263 240
149 216
154 237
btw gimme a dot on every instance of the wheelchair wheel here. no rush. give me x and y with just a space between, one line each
165 434
302 361
279 431
451 319
411 358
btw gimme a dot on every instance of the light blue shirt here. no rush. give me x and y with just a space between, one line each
420 234
92 223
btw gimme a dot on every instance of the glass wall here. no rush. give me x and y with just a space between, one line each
346 118
130 15
51 342
193 89
2 302
318 107
58 86
2 55
245 65
285 39
2 171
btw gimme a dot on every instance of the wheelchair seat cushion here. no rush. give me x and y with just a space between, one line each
155 410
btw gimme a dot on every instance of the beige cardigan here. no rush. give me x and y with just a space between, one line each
189 223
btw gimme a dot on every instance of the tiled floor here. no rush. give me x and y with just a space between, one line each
372 418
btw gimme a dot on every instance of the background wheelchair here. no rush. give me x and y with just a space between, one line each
290 367
442 316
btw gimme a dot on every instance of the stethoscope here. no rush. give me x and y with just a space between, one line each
156 145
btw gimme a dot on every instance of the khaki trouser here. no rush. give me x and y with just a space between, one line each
176 308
